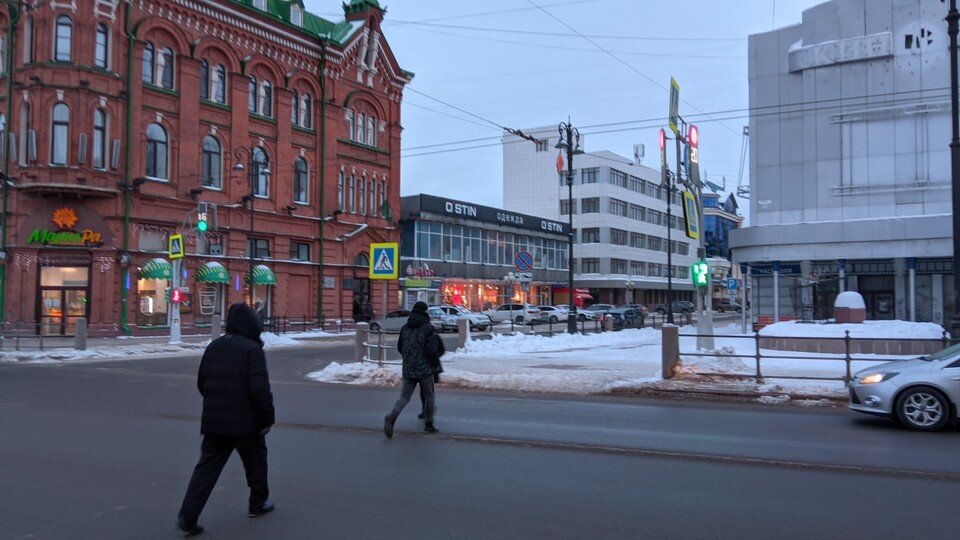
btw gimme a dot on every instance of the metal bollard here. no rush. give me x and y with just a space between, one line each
607 323
80 338
670 349
361 338
215 329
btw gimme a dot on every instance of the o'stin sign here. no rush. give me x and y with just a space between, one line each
64 218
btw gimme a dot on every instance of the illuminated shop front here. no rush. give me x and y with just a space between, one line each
458 253
212 279
153 293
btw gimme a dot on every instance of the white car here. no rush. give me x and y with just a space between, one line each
552 314
452 314
518 313
581 314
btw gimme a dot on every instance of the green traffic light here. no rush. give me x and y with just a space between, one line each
202 226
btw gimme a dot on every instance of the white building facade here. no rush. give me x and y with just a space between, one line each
619 220
849 161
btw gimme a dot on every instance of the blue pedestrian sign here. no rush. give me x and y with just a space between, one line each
731 284
523 261
384 260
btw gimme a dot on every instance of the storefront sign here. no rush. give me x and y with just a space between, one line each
450 207
420 271
65 219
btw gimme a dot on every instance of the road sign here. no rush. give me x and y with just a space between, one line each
675 106
384 260
176 246
691 215
731 284
523 261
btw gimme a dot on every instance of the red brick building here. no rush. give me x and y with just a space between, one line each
124 121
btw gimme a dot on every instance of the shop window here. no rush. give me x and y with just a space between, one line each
64 39
299 251
101 57
153 305
211 165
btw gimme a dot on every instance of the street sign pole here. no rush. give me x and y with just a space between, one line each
175 307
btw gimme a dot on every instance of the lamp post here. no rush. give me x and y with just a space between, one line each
254 171
628 290
953 16
570 140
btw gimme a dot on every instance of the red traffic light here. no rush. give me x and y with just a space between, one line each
176 296
693 136
663 140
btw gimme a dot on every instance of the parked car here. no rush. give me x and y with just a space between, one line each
679 306
478 321
599 309
921 393
584 315
639 307
518 313
552 314
395 320
625 318
724 305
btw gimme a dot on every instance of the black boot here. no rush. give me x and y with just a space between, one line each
388 426
190 529
429 428
265 508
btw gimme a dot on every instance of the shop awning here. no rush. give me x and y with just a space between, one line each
156 269
212 272
262 275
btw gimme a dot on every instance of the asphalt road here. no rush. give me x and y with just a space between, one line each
105 451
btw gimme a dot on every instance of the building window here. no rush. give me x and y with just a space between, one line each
618 266
361 136
590 266
219 84
618 207
590 235
265 99
149 62
211 164
300 180
99 139
156 152
60 134
543 145
352 194
362 128
299 251
638 240
28 40
590 205
340 188
383 198
295 108
306 111
588 176
165 68
260 4
204 80
619 237
252 95
261 164
362 199
64 39
101 56
371 131
637 268
259 247
296 15
565 207
373 197
618 178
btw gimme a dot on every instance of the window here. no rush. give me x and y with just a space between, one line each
340 181
99 139
101 56
295 108
543 145
261 164
371 131
220 84
373 197
259 247
28 40
353 193
590 205
638 240
590 235
619 237
590 266
565 207
588 176
383 198
296 15
635 211
149 61
211 163
156 152
618 178
252 95
306 111
300 180
299 251
618 266
362 202
204 80
361 129
260 4
64 39
60 134
618 207
637 268
165 68
265 101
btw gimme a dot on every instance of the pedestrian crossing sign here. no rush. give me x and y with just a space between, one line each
175 246
384 260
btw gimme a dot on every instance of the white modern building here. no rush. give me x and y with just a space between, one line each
849 161
619 218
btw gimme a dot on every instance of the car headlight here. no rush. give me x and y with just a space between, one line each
875 378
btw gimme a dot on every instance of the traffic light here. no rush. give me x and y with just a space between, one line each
693 136
206 217
693 170
700 273
176 296
202 224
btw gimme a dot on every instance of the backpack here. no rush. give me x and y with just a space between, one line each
433 347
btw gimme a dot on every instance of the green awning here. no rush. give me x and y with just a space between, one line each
262 275
156 269
212 272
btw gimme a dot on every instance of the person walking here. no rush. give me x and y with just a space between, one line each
237 415
421 348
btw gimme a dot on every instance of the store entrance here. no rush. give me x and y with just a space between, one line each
64 298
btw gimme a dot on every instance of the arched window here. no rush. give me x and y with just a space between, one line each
301 178
362 199
296 15
101 57
26 130
166 68
371 131
64 41
252 95
156 152
353 193
211 163
3 53
99 139
340 187
149 62
373 197
60 134
261 172
306 111
265 105
220 84
204 80
362 260
361 129
295 109
383 198
28 40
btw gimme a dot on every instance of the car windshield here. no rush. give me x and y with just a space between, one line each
949 352
461 309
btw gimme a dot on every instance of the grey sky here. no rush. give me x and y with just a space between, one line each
514 64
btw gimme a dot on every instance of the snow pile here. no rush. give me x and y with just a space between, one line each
273 341
68 355
867 329
849 299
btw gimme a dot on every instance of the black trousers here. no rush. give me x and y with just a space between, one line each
215 450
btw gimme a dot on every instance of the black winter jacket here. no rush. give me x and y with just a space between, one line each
233 379
418 341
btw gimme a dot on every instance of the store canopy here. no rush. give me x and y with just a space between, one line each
156 269
212 272
263 275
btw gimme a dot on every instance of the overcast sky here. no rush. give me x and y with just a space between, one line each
604 63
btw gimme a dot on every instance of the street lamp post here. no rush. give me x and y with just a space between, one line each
628 289
953 16
570 140
253 173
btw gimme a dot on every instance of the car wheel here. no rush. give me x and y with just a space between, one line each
554 319
923 408
374 327
519 319
719 309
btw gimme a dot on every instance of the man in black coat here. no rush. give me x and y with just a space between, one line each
421 348
237 414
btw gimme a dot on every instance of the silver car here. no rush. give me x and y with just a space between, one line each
478 321
922 393
395 320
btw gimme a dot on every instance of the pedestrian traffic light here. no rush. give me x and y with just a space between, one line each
206 217
693 136
700 273
202 225
176 296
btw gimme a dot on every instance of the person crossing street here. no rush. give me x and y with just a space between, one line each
421 349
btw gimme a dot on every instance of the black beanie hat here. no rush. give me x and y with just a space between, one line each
420 307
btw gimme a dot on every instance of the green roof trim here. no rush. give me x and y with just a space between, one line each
262 275
156 269
212 272
336 32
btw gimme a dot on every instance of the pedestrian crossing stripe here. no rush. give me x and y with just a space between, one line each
384 260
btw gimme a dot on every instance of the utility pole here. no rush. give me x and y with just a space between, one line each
570 139
953 16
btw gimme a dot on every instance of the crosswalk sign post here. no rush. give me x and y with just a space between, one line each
384 265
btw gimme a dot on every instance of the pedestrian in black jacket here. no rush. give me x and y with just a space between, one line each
237 414
420 347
